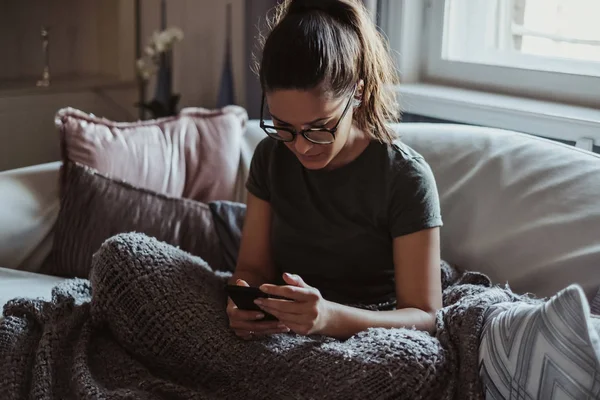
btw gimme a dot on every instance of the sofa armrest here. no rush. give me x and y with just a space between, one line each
29 205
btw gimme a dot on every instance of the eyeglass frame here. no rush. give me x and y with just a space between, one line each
303 132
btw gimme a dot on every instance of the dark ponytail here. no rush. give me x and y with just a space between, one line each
332 44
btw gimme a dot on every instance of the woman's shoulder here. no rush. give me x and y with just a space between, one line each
413 197
401 159
401 152
265 146
264 153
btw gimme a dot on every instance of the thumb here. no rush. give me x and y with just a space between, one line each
241 282
294 280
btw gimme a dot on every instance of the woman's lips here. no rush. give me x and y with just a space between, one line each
310 156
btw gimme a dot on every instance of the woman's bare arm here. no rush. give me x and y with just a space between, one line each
418 293
418 290
255 262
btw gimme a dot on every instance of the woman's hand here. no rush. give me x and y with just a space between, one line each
307 313
247 324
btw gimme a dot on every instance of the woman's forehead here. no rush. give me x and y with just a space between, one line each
301 106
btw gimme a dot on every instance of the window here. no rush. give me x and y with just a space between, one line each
553 35
531 66
548 47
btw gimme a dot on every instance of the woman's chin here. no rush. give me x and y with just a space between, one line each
313 162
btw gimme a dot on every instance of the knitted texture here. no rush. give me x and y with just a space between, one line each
151 324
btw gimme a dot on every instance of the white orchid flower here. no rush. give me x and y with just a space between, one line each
175 34
160 42
150 51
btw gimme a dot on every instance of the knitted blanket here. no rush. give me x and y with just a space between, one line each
151 324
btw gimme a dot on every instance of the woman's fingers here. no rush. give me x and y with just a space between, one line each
241 282
285 318
281 306
300 329
250 325
290 292
244 315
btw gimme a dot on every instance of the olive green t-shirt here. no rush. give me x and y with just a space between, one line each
335 228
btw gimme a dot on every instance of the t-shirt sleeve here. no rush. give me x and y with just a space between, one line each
414 200
258 176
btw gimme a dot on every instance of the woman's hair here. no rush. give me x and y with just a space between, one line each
331 44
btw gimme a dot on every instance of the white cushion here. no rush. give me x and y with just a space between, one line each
29 207
521 209
541 352
24 284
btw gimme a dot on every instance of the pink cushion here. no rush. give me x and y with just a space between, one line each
194 155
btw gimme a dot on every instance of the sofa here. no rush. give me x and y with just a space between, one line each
520 209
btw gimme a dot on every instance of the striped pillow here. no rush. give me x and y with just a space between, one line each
548 351
595 304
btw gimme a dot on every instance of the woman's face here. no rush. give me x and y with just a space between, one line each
301 109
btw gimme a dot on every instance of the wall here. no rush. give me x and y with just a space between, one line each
199 58
86 37
91 66
108 89
255 18
27 133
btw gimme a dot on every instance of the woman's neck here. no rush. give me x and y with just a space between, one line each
356 143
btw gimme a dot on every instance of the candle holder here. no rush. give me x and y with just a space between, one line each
45 35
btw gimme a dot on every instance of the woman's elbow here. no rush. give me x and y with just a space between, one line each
430 321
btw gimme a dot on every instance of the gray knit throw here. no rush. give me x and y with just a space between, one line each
151 324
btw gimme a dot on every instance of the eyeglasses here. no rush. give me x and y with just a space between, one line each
319 135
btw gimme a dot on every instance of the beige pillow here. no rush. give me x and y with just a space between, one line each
194 154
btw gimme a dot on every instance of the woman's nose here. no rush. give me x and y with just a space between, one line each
302 145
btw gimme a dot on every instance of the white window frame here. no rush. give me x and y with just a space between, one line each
499 31
536 81
459 92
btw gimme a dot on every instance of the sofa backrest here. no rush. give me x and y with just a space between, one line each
522 209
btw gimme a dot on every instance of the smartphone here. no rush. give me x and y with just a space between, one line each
244 296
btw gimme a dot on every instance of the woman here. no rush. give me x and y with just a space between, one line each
339 212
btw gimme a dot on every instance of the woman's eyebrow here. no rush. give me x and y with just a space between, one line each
308 123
